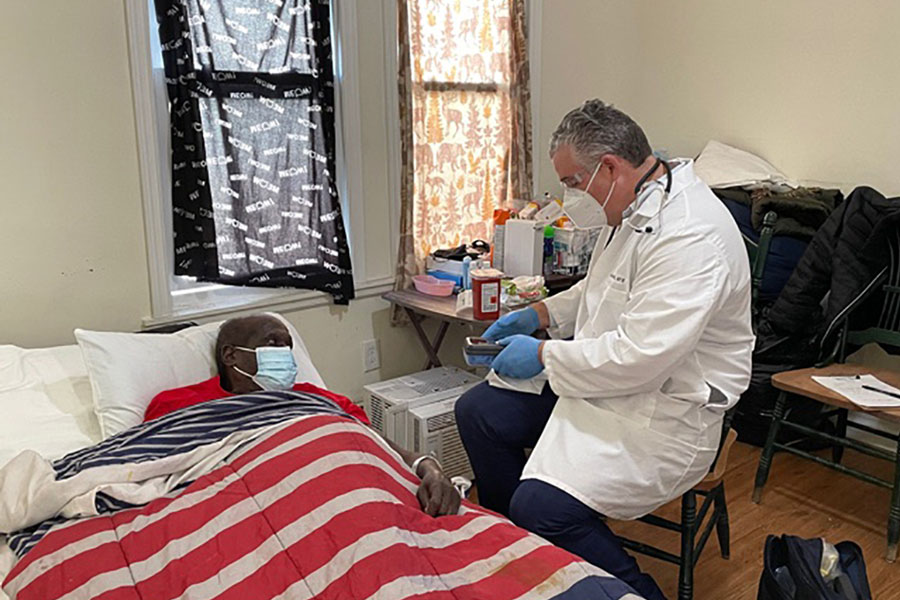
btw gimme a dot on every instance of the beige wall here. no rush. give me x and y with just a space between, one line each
811 86
71 230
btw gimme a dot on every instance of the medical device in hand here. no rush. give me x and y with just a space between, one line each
480 352
480 345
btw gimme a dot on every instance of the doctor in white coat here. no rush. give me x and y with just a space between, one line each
648 351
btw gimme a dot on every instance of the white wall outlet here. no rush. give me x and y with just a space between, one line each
371 358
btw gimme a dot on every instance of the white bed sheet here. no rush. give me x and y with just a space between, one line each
7 558
46 405
45 402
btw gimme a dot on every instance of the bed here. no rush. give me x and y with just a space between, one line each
280 502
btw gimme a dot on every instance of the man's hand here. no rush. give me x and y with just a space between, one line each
525 321
520 359
436 494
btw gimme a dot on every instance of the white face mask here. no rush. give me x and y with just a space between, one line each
583 209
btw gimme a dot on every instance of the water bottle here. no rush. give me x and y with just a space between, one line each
466 270
548 250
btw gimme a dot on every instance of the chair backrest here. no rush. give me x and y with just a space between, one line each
886 330
757 252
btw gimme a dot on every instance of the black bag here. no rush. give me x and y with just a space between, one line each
774 353
791 571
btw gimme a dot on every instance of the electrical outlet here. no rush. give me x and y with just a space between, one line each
371 359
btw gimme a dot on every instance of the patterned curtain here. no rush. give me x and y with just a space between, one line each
465 119
251 97
406 260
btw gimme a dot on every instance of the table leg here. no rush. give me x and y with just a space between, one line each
430 347
436 344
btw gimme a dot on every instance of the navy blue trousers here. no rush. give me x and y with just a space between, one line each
496 427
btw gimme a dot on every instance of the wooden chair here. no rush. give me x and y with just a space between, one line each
693 538
886 332
758 252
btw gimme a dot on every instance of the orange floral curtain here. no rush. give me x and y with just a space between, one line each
465 115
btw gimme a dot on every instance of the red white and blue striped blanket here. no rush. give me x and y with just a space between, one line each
310 504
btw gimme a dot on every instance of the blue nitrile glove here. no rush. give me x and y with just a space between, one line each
520 359
525 321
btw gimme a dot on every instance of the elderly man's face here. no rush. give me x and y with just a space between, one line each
254 332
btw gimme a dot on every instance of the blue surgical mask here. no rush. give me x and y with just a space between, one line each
276 368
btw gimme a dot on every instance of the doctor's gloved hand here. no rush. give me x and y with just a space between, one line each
525 321
520 359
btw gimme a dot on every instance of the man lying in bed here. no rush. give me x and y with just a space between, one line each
254 353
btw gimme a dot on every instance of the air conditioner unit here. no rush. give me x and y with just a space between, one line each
387 403
432 429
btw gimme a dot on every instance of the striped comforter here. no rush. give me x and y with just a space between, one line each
308 504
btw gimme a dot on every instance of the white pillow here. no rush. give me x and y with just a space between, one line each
45 402
128 369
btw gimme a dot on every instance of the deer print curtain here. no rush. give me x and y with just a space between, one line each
465 116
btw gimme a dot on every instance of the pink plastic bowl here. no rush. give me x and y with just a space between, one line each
428 284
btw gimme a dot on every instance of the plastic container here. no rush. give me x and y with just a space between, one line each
548 250
550 213
444 276
501 215
566 260
433 286
467 273
530 210
486 294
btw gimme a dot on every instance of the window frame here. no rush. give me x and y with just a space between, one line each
167 302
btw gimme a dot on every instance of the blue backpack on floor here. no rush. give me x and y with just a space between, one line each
793 570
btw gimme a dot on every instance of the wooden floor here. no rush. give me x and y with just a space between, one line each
801 498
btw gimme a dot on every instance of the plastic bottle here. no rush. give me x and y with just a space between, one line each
548 250
500 217
466 273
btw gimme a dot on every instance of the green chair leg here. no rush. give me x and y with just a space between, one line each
893 530
837 451
722 528
688 533
765 459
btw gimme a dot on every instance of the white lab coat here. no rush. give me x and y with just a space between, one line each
661 319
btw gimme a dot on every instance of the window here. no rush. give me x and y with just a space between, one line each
470 116
178 296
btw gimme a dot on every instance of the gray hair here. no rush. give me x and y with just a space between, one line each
597 128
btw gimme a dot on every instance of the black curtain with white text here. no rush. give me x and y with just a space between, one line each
251 96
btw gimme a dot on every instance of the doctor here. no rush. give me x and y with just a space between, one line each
648 351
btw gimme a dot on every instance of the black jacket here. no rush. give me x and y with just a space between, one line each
847 252
843 258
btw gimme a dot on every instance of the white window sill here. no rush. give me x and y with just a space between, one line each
280 300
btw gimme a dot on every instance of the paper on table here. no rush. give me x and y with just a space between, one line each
850 387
